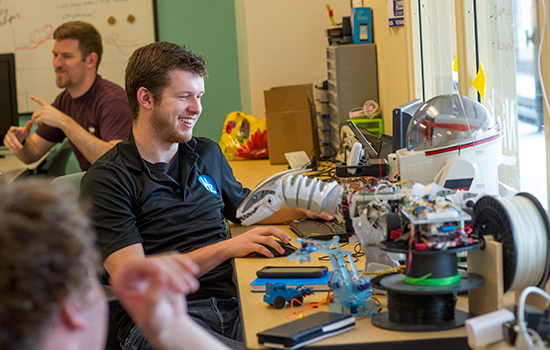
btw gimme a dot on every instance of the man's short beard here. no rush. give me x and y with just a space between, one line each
163 129
60 83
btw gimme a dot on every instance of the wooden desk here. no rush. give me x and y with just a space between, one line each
11 167
252 172
258 316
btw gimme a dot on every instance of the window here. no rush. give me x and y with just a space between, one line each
501 35
438 47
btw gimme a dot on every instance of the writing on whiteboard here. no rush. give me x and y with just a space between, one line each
6 17
38 37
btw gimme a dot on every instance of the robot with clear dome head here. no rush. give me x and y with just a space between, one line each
453 141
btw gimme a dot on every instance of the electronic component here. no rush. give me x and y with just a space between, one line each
487 329
373 167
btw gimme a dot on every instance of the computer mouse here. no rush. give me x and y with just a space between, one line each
289 249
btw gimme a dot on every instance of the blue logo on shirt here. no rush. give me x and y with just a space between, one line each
208 183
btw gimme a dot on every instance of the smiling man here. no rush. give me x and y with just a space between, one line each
91 112
164 190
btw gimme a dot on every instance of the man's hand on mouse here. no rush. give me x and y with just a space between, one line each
275 244
255 239
287 250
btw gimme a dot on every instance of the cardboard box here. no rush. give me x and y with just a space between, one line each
290 117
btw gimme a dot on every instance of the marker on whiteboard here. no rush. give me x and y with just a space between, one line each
111 20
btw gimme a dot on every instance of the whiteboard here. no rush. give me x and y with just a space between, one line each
27 26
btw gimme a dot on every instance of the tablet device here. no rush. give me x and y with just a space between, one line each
292 271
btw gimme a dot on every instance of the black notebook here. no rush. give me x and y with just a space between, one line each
320 229
298 333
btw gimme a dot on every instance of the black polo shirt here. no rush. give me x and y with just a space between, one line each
180 206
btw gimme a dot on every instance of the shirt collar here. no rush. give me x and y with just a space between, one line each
96 81
129 153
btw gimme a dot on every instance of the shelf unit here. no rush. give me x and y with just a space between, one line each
352 80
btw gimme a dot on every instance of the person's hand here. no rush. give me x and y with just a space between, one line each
48 114
323 216
152 291
16 135
254 239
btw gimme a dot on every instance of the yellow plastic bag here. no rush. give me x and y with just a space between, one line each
244 137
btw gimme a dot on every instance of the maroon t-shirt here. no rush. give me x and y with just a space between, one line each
103 110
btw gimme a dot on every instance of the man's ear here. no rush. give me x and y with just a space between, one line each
72 315
92 59
145 98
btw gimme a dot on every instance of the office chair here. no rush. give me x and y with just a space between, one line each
62 162
73 180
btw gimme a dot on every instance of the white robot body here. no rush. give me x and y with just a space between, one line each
471 166
452 141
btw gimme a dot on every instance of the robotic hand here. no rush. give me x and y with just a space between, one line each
287 188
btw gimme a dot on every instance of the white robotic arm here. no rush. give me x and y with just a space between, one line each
289 189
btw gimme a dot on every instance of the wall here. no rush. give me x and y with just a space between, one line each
281 43
393 67
27 27
207 28
251 46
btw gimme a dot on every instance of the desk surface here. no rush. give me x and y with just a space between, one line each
258 316
252 172
11 167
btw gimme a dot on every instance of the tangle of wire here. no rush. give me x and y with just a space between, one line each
325 301
357 253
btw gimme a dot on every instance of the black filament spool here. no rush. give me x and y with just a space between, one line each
420 313
418 308
421 309
441 265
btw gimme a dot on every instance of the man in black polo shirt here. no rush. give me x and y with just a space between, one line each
164 190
